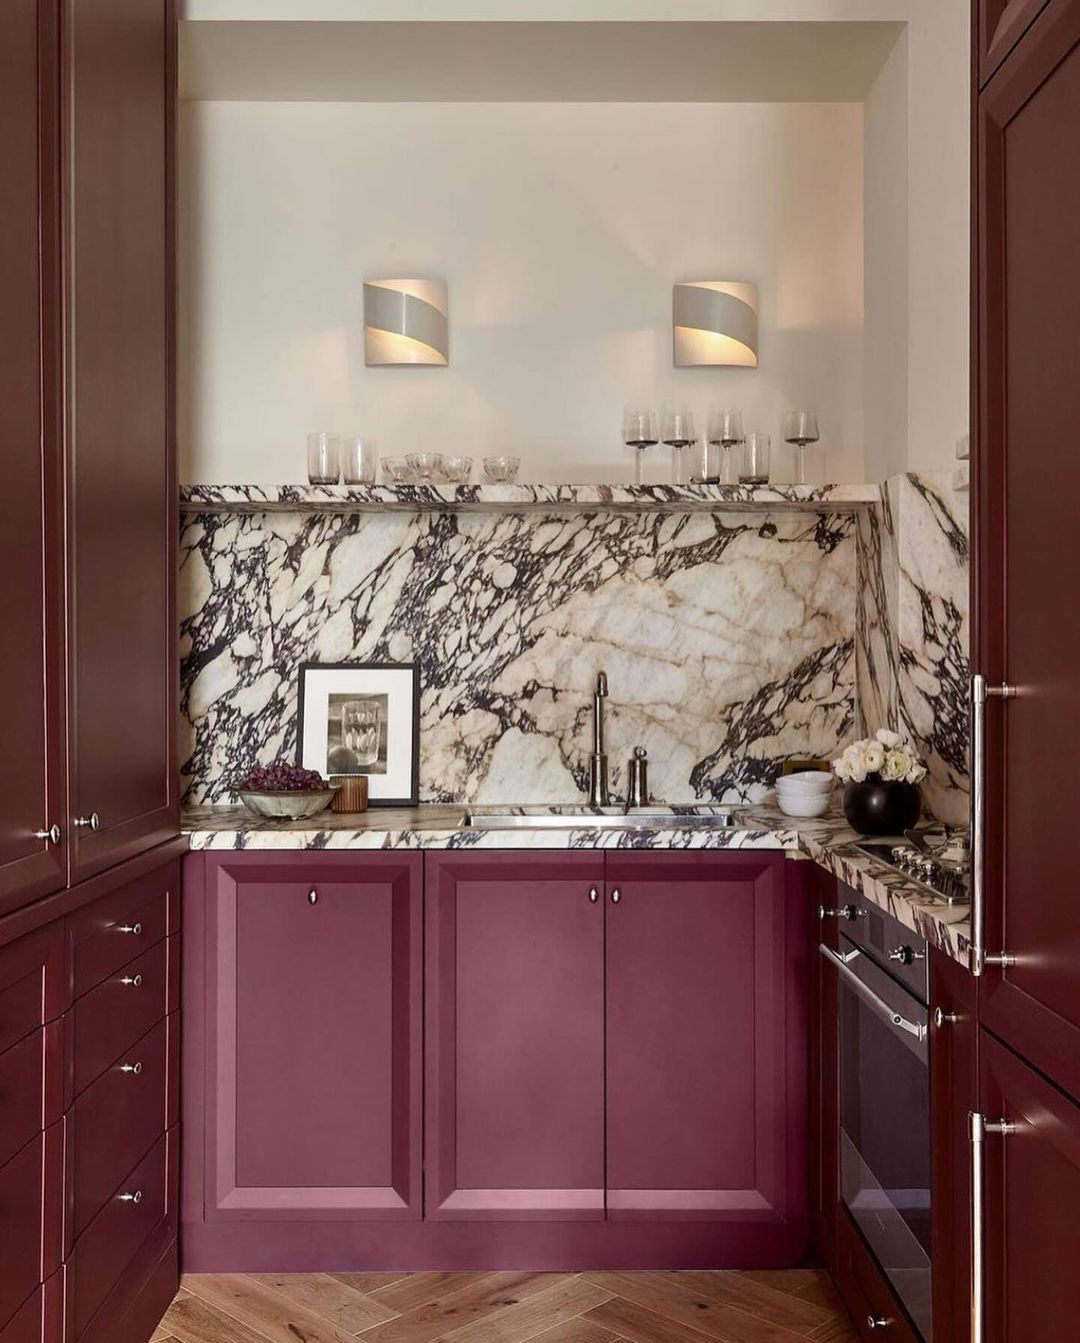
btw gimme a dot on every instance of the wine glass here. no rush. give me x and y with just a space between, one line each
640 432
725 429
800 428
677 431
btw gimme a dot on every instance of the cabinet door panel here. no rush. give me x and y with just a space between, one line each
31 677
1029 284
1032 1180
315 1041
515 1036
122 510
1000 25
706 1038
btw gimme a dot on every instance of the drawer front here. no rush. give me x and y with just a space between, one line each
865 1292
33 983
112 1017
108 1245
22 1082
113 930
30 1217
116 1121
40 1318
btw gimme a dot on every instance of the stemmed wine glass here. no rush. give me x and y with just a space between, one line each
725 429
800 428
640 432
677 431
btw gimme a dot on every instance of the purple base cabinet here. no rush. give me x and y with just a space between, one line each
614 1061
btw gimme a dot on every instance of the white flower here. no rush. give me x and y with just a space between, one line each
888 754
874 757
915 773
898 764
840 768
888 738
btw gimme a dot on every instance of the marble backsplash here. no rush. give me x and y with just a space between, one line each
731 640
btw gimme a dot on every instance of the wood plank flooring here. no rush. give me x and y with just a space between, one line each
792 1306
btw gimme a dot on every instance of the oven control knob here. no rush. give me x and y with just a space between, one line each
905 955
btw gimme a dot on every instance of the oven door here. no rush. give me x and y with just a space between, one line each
885 1123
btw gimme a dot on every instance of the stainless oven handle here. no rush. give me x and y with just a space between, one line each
868 995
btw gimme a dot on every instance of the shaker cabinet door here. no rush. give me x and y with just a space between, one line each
1027 481
313 1036
122 495
707 988
31 542
515 1036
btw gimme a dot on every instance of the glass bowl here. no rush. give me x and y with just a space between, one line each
396 470
501 470
456 470
425 466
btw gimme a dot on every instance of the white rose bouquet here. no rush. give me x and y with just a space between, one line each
886 755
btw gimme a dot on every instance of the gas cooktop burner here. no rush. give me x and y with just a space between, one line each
937 860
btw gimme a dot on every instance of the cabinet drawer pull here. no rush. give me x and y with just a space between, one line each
136 1197
132 929
312 896
91 822
594 895
943 1018
51 833
134 1068
616 896
134 980
877 1322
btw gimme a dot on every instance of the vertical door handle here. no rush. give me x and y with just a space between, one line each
980 692
978 1127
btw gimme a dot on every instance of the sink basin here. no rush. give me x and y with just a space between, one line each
603 818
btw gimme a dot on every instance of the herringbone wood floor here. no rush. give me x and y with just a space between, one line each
792 1306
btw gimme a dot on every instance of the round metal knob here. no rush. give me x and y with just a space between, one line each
134 1068
52 834
943 1018
134 980
134 929
616 896
91 822
905 955
877 1322
849 912
594 895
312 896
136 1197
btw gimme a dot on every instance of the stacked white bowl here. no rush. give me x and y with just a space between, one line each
804 793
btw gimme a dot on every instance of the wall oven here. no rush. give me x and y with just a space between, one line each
884 1058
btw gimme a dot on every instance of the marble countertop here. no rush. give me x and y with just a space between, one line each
828 841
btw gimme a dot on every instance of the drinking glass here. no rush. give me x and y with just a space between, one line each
726 430
755 460
425 466
677 431
640 432
359 461
800 428
704 465
360 721
323 458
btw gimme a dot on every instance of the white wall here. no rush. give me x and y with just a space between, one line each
560 230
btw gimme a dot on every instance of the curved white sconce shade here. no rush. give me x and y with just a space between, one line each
715 323
405 322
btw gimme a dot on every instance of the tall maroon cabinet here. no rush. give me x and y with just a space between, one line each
1027 481
31 543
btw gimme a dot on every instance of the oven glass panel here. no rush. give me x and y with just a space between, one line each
885 1135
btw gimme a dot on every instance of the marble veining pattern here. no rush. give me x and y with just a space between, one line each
728 639
828 841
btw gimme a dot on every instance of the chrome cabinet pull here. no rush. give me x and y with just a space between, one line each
594 895
52 834
134 980
980 692
91 822
616 896
943 1018
849 912
134 1068
978 1127
877 1322
135 1197
312 896
869 997
134 929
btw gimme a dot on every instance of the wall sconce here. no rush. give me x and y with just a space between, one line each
405 322
715 323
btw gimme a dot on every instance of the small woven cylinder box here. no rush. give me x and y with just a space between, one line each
352 795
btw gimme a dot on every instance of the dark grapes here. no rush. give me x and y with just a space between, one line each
281 777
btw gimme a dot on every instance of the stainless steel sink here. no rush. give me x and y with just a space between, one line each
602 818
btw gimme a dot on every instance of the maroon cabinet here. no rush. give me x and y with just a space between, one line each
999 25
122 494
706 987
515 1036
1029 1228
312 1035
1027 480
31 540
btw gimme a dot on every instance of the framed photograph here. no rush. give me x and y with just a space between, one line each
363 718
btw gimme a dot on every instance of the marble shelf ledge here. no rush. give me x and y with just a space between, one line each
524 498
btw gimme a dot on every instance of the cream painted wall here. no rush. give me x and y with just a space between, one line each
560 230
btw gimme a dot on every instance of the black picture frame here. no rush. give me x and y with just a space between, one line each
413 668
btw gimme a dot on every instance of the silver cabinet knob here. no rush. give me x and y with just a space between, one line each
134 980
135 1197
594 895
134 1068
312 896
616 896
91 822
877 1322
132 929
906 955
52 834
943 1018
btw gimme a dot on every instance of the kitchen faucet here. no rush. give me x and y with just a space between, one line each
598 769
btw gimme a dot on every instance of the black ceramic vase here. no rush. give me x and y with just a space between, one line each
877 807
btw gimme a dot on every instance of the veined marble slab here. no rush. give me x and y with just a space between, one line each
828 841
522 498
